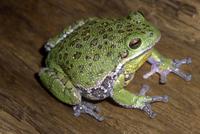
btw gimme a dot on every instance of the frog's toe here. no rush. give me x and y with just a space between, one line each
88 108
185 76
154 69
177 63
147 108
164 98
144 89
176 68
163 76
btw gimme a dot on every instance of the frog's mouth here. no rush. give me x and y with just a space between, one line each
137 55
120 66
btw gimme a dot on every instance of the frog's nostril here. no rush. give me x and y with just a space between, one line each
135 43
151 34
124 54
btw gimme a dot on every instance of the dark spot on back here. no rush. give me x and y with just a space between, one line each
87 57
106 42
67 68
147 26
65 55
129 25
96 57
61 47
101 71
94 42
81 68
119 26
138 28
111 37
66 62
105 24
110 29
86 37
100 46
77 55
113 46
137 22
109 54
78 45
69 77
121 31
72 43
91 22
101 31
71 65
60 56
105 36
128 17
129 30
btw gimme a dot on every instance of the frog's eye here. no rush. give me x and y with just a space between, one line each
135 43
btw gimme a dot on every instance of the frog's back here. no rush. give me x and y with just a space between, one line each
92 51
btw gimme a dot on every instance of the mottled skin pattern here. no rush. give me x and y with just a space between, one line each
97 57
93 50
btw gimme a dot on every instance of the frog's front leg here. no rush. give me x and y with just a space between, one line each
164 66
129 100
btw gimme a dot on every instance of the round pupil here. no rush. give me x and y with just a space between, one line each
135 43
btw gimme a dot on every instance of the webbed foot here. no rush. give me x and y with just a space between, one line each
88 108
148 99
168 66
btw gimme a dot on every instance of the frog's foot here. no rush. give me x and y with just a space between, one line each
147 107
169 66
88 108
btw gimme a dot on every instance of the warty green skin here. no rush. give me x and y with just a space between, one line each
96 52
93 50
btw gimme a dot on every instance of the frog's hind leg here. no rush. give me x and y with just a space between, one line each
62 88
52 42
129 100
88 108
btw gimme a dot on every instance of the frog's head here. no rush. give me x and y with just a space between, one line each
141 36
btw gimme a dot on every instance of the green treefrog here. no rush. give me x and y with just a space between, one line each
97 57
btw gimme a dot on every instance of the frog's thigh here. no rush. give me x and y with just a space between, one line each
60 86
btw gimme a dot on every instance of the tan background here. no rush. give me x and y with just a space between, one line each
26 107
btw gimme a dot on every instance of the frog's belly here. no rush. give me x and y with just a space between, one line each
99 92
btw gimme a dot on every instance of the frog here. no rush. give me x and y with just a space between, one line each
96 58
